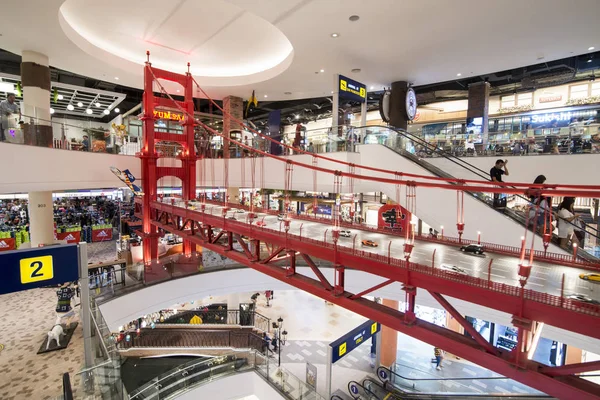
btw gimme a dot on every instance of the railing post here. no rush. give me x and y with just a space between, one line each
490 272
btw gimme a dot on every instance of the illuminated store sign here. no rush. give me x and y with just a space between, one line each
550 99
172 116
352 90
561 116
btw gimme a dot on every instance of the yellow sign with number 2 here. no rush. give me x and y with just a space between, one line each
36 269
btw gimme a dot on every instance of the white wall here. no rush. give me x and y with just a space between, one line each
575 169
232 388
73 128
31 168
126 308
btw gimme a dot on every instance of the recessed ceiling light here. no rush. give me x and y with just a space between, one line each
106 111
372 87
354 18
80 104
334 35
356 70
459 74
322 71
89 111
591 48
266 96
60 97
98 105
70 107
297 116
116 78
117 110
590 60
332 92
51 110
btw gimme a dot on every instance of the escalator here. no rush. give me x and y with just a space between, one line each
404 144
425 386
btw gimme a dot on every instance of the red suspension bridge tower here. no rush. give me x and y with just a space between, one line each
151 172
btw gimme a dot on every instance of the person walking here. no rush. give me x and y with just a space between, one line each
439 356
496 173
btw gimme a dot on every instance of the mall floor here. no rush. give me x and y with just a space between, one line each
25 319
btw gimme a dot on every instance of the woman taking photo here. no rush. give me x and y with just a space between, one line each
567 221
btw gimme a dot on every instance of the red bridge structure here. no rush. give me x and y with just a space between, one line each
198 226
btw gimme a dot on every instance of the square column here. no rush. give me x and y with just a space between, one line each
478 107
233 109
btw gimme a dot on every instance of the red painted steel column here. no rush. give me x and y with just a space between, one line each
148 158
188 183
409 314
389 339
338 287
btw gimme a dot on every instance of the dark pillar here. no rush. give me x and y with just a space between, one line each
398 117
35 78
478 109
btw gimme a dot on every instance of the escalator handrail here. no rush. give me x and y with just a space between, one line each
440 173
437 378
364 388
469 167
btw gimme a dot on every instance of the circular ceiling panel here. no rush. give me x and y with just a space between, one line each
222 42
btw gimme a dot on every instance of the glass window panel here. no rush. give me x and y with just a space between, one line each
596 89
525 98
507 101
578 91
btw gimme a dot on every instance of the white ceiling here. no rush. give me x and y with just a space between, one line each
236 46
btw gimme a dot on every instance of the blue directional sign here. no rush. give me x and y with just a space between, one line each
45 266
351 340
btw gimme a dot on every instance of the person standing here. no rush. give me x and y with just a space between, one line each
310 148
566 222
496 173
7 108
439 356
85 143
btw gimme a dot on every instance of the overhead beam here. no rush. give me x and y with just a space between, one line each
317 271
372 289
464 323
571 369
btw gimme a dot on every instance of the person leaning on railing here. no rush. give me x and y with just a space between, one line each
7 108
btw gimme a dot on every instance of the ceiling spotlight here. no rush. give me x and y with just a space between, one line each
97 104
297 116
80 104
89 111
266 96
334 35
60 97
116 78
106 111
117 110
178 90
321 71
70 107
372 87
591 48
356 70
590 60
51 110
354 18
332 92
459 74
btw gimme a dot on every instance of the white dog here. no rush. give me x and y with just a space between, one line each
55 334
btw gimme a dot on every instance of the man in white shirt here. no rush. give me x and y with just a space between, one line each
7 108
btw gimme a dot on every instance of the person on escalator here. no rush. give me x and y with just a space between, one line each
538 204
496 173
439 356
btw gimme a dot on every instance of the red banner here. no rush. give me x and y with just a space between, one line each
7 244
101 235
70 237
393 217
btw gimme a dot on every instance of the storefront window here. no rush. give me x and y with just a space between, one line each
596 89
507 101
578 91
524 99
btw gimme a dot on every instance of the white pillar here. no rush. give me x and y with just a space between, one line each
36 100
41 218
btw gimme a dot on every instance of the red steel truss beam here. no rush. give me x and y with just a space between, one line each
571 369
536 306
243 245
564 387
464 323
317 271
273 254
374 288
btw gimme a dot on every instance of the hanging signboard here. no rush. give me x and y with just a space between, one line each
352 90
393 217
353 339
45 266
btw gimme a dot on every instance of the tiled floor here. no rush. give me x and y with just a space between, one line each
25 318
